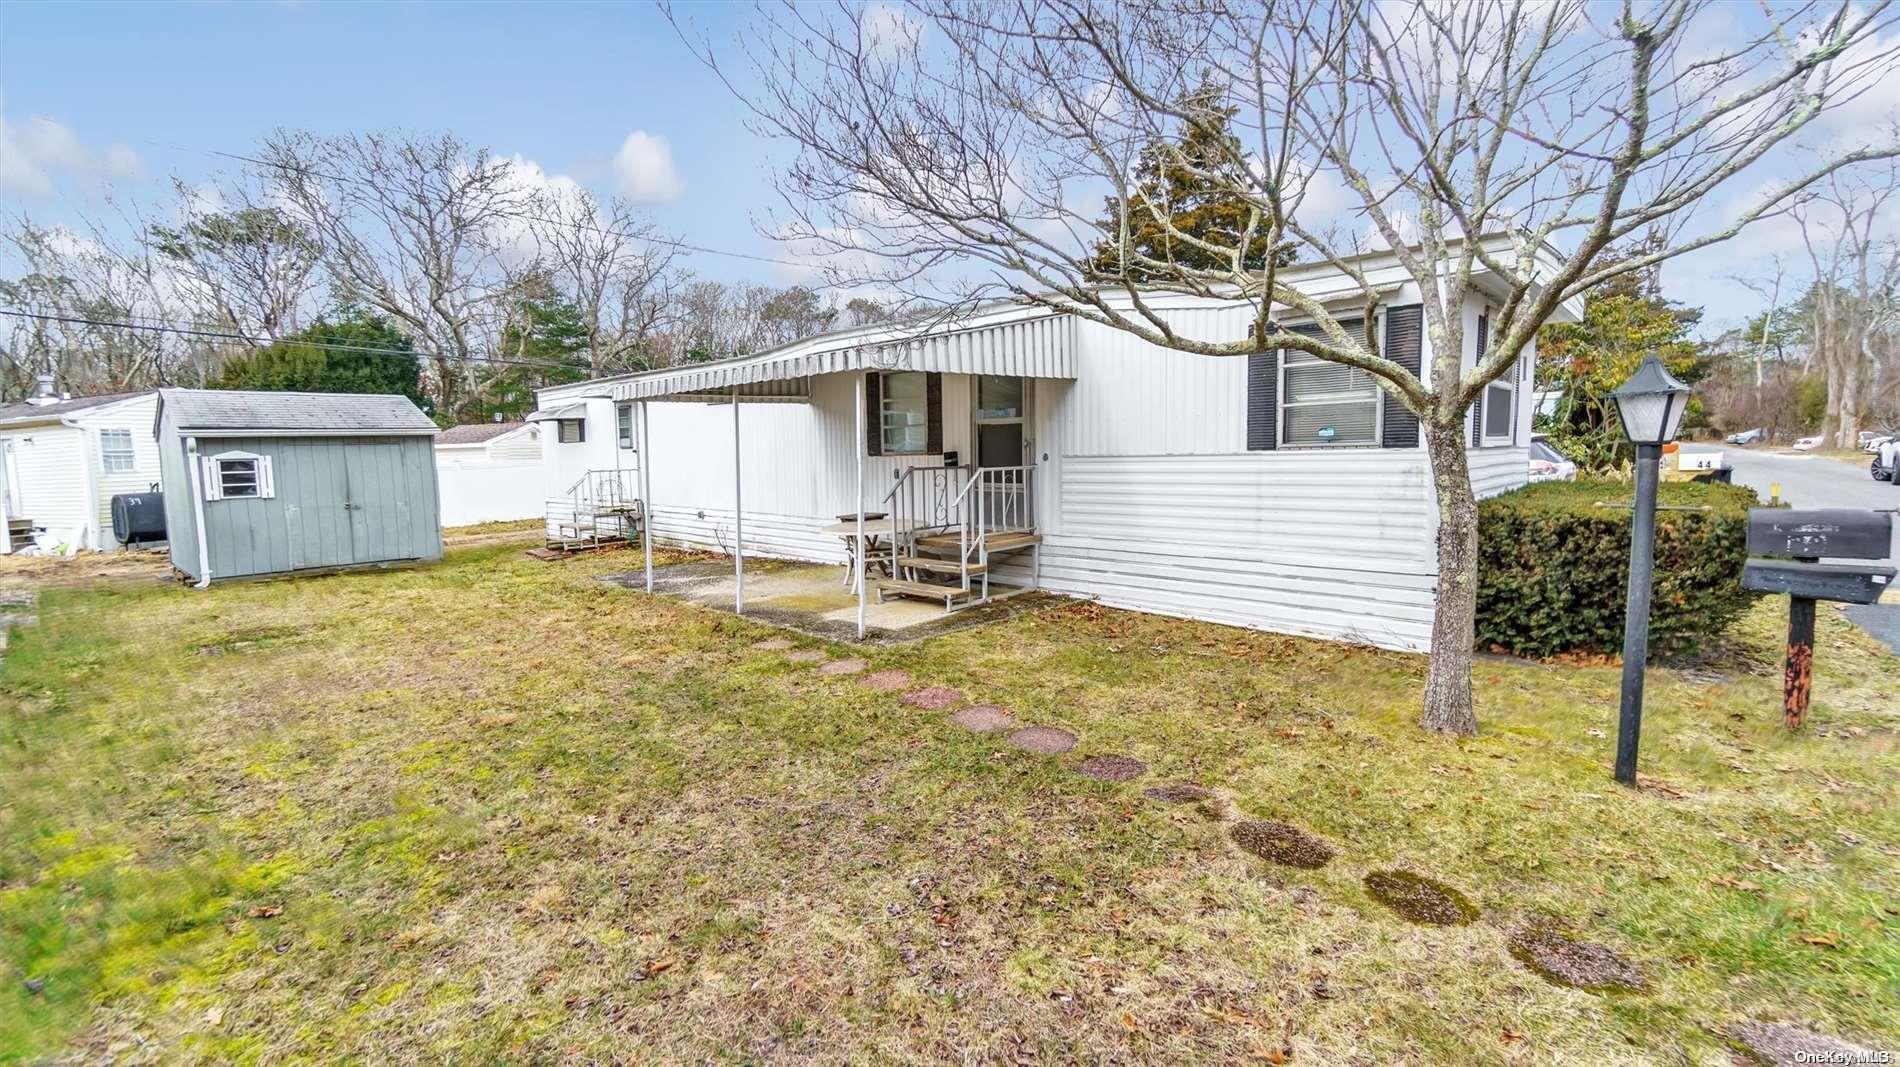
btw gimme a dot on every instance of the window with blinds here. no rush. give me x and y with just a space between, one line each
1325 403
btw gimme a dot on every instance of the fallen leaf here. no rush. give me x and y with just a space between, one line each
1129 1024
1508 1035
655 967
1827 940
268 911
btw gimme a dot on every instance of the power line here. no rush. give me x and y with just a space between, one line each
156 326
526 216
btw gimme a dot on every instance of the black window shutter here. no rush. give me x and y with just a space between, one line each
1404 328
873 419
1477 406
933 413
1263 400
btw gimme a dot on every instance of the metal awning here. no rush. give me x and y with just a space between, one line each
1041 346
565 411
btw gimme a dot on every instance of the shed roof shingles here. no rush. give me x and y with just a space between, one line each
221 409
34 412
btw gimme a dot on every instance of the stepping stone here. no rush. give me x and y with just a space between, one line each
1043 740
775 644
1112 768
1178 793
1282 843
1556 957
933 698
1420 899
888 681
806 655
984 718
1780 1043
843 666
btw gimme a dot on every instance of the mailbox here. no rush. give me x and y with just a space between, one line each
1800 539
1819 533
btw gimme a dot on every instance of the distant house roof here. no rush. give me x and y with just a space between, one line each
475 433
18 413
232 412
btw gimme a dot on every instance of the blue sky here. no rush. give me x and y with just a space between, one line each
563 85
605 94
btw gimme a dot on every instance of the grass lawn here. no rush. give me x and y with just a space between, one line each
496 810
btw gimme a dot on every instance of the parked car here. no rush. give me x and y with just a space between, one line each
1548 464
1807 444
1884 459
1872 444
1747 437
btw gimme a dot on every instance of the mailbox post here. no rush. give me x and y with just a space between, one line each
1797 542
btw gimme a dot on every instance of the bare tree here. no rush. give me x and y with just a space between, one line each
250 263
622 281
418 227
1854 302
961 146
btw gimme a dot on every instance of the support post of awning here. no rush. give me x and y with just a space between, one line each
858 553
646 492
738 517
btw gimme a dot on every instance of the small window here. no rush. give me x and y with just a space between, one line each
903 413
571 431
1500 406
623 419
238 476
115 451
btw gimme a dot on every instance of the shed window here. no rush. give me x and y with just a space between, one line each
1326 403
571 431
623 421
904 413
115 451
238 476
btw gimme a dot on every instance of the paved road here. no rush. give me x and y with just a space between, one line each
1808 481
1819 482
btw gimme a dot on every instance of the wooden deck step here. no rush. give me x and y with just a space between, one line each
998 542
946 594
940 566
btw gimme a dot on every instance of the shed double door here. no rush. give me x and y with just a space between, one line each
360 502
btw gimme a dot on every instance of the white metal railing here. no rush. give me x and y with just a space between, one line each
973 502
602 505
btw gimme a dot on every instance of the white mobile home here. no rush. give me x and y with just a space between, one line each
1281 493
489 472
62 460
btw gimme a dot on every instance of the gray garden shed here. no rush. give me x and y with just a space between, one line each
279 483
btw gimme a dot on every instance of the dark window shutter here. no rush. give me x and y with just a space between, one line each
873 419
1404 329
933 413
1477 406
1263 400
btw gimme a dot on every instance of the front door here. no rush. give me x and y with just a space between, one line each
1002 448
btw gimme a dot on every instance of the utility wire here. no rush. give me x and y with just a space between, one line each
526 216
225 335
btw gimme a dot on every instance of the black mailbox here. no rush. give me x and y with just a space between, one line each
1802 539
1819 533
1845 582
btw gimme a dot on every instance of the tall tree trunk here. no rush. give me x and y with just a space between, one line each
1454 622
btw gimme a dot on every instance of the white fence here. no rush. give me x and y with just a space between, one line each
489 492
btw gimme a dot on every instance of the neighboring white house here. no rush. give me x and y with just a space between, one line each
489 472
1284 494
65 458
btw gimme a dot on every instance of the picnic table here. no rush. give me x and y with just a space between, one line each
877 553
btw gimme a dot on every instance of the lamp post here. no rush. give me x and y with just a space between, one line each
1650 406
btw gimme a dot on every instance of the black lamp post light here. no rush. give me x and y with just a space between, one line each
1650 406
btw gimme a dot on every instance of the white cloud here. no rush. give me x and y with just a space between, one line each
37 152
643 169
889 31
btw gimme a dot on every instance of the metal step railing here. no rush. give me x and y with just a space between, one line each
601 506
973 503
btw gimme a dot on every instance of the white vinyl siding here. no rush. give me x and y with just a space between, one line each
135 418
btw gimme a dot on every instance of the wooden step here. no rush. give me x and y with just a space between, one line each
925 590
998 542
940 566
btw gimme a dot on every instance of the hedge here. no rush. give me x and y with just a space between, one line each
1553 567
